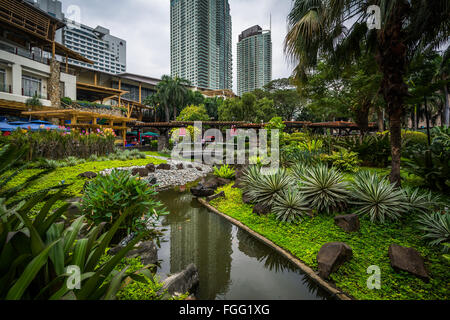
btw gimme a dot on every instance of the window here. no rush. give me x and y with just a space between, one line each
3 80
31 86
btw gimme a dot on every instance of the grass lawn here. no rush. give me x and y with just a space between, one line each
370 247
69 175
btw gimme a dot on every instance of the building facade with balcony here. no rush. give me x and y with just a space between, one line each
30 58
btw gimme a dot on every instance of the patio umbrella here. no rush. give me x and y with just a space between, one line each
6 127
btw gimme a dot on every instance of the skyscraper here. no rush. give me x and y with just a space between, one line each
200 42
254 59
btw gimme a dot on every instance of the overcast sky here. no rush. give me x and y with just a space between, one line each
145 25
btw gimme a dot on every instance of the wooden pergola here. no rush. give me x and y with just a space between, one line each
84 119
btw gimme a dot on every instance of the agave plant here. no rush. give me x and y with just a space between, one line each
421 201
324 188
298 170
267 186
290 205
437 228
377 198
251 176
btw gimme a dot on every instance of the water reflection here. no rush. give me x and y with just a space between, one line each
232 264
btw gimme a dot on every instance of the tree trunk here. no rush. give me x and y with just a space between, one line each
362 118
446 120
380 118
175 113
167 112
392 61
427 118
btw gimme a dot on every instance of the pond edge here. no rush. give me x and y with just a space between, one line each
305 268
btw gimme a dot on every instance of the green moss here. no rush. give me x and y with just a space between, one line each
370 247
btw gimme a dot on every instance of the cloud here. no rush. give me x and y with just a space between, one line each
145 26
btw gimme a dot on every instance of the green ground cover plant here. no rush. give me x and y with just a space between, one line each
370 247
69 176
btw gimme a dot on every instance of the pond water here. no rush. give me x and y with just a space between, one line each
232 264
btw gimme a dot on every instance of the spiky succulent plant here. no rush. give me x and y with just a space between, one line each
290 205
377 198
324 188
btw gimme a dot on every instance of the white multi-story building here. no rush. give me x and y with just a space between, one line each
109 53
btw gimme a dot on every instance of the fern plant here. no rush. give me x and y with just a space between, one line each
324 188
377 198
225 172
290 206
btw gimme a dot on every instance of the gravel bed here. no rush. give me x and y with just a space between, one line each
166 179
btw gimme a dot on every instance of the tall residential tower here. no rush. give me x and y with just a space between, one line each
254 59
200 43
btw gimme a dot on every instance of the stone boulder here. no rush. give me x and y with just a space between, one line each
182 282
147 251
408 259
262 209
180 166
201 191
331 256
150 167
190 166
216 196
199 169
164 166
215 182
348 222
141 172
152 180
88 175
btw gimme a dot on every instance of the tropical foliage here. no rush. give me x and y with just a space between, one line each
107 197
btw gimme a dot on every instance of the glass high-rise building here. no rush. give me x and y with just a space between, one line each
254 59
200 43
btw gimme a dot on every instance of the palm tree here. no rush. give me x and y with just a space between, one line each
339 28
172 93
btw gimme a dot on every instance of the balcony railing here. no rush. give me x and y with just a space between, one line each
24 53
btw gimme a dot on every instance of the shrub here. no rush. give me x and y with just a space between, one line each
372 150
293 154
324 188
343 160
413 138
107 197
265 187
377 198
290 205
225 172
436 227
54 144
